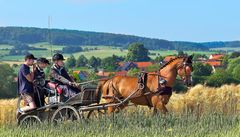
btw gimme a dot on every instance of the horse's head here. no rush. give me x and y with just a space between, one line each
184 70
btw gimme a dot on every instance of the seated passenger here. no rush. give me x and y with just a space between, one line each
59 75
40 82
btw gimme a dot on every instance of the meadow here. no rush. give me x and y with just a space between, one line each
226 49
202 111
101 52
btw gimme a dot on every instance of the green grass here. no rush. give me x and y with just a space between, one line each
5 46
227 49
140 123
4 52
174 52
102 52
47 46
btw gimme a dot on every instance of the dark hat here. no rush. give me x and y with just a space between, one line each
30 56
57 56
43 60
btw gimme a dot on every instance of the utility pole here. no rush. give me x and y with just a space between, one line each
49 34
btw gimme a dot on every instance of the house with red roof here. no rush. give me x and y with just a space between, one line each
215 60
126 66
215 64
216 56
143 65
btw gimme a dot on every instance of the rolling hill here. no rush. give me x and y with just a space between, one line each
29 35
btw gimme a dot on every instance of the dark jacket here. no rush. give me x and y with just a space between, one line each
39 93
59 75
39 73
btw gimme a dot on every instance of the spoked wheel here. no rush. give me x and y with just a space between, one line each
92 114
65 114
29 121
96 114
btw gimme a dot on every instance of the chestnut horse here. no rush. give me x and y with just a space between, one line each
120 87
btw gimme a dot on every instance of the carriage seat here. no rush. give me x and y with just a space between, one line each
55 86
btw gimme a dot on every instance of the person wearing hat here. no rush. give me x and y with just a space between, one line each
39 81
25 83
59 75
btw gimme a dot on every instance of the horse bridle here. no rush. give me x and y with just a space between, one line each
185 77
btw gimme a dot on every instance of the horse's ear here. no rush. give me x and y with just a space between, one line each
190 57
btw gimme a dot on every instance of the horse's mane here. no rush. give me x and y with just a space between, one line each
170 61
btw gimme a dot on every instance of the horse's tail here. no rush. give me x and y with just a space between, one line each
102 88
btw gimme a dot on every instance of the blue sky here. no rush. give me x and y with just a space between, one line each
183 20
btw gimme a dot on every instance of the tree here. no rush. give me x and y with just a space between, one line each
158 59
7 85
197 56
181 53
225 61
94 62
201 72
137 52
201 69
236 72
220 77
111 63
179 87
99 61
199 79
133 72
232 64
71 62
235 55
81 61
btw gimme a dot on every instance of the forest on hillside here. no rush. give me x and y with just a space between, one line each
27 35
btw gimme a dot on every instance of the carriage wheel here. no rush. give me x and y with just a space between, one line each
29 121
96 114
92 114
65 114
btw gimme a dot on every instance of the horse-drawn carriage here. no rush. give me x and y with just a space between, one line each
83 105
117 92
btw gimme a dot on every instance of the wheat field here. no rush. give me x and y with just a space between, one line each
201 112
199 100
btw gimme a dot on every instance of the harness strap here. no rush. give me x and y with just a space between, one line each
144 77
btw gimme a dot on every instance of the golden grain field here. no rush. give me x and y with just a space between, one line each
198 99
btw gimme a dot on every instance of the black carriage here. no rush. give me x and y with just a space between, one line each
56 110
